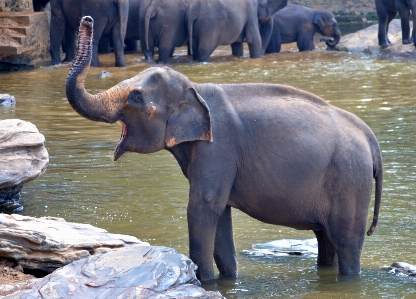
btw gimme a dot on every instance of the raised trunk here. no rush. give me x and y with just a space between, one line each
332 43
101 107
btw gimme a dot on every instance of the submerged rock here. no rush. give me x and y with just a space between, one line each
403 268
23 158
99 264
366 41
284 247
104 74
7 100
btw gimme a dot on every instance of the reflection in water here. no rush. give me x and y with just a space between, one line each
146 195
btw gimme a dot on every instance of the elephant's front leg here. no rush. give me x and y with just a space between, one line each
206 210
224 250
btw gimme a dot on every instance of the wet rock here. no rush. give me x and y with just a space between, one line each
7 100
285 247
104 74
138 271
402 268
23 158
366 41
98 264
48 243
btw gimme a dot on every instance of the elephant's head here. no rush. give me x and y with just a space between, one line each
158 108
265 11
328 26
267 8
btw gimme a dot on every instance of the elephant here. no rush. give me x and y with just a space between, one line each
221 22
162 24
297 23
387 11
111 17
279 154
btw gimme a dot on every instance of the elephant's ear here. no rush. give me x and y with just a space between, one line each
189 121
319 20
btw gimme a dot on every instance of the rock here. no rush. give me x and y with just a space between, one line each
104 74
98 264
139 271
23 158
366 41
402 268
7 100
48 243
285 247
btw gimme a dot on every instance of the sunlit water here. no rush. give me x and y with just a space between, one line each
146 195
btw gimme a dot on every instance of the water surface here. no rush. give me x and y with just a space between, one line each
146 195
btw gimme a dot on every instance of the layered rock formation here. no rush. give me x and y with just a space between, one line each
92 263
23 158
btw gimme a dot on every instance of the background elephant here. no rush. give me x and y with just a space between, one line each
387 11
281 155
162 25
296 23
110 17
223 22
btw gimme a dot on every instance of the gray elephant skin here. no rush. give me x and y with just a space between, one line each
110 18
282 155
387 11
297 23
222 22
162 24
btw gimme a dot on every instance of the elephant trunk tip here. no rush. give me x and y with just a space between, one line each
333 42
87 21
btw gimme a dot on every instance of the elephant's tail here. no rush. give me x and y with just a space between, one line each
378 176
190 21
123 14
150 12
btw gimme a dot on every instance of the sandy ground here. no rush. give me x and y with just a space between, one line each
12 274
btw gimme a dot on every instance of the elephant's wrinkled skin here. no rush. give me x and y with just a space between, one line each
281 155
297 23
227 22
387 11
162 25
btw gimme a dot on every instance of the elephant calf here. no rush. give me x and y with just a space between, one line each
296 23
281 155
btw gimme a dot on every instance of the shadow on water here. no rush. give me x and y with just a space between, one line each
146 195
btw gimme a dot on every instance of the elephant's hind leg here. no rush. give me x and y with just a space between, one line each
327 255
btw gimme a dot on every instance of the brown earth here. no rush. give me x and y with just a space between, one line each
10 273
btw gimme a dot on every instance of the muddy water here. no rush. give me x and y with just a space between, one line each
146 195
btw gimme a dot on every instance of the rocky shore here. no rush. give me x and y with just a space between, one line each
84 261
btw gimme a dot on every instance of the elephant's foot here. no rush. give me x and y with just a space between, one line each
407 41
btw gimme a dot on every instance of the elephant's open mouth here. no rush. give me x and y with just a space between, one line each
119 151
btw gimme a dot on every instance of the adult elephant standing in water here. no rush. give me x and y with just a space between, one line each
111 18
281 155
387 11
162 24
228 22
297 23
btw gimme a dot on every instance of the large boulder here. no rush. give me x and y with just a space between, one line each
48 243
97 264
366 41
23 158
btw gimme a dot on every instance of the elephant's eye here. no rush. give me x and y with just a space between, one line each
135 99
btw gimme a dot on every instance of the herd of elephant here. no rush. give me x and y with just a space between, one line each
165 24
